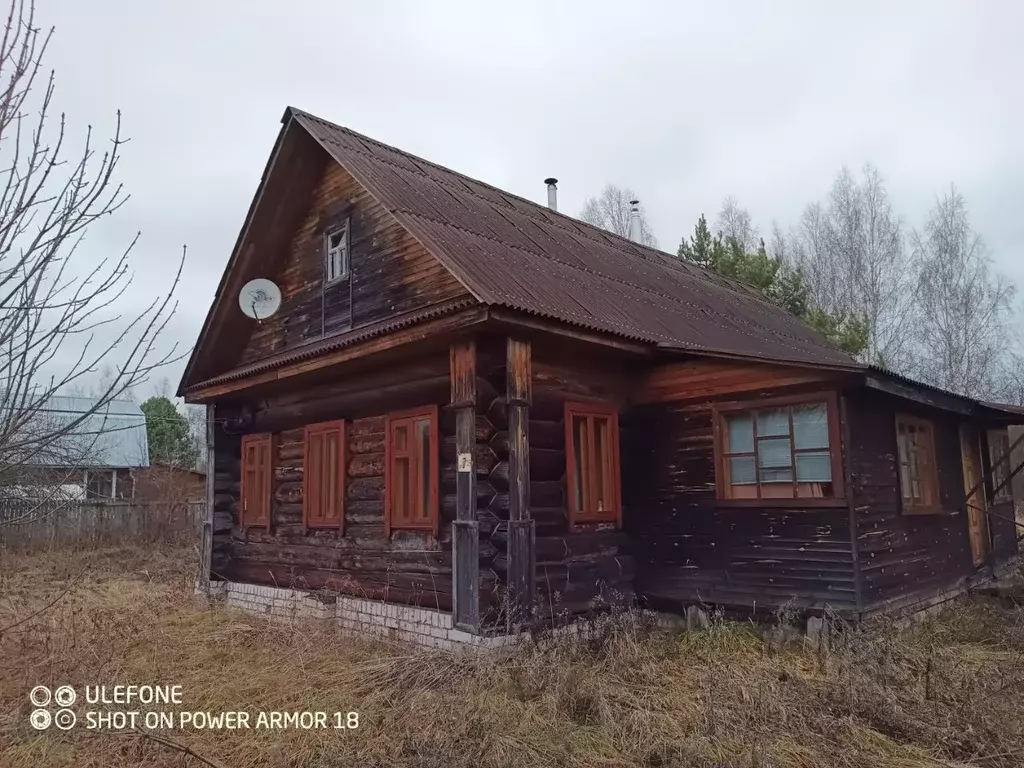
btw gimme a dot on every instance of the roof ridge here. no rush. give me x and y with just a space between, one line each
590 230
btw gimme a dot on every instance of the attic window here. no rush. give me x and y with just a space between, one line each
336 253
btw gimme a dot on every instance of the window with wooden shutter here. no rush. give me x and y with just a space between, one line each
323 491
257 480
592 462
919 473
411 471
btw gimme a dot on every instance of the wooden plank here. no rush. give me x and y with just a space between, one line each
703 379
465 533
522 566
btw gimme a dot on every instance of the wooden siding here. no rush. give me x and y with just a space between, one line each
903 556
390 273
690 549
703 379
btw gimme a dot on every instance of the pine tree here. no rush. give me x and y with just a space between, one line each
167 431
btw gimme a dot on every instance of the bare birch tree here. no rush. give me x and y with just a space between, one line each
734 223
611 210
57 327
853 254
965 304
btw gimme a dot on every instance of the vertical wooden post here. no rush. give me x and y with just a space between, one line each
206 534
521 561
466 527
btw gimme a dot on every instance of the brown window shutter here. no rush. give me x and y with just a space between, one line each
411 471
324 471
257 480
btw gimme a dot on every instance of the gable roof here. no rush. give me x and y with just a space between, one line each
514 253
511 252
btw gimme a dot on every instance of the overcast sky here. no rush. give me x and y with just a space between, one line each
683 102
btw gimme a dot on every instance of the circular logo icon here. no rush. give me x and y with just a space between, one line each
65 696
40 696
65 719
40 719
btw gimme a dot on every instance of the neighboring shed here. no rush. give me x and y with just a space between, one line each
95 449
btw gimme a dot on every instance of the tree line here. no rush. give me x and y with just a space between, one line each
926 302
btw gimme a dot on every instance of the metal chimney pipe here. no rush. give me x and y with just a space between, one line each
552 193
634 221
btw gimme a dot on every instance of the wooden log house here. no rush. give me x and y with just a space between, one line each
473 403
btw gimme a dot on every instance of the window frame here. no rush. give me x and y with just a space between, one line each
430 525
909 506
593 410
323 428
260 518
344 226
835 448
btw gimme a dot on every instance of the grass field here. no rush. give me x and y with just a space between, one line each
945 692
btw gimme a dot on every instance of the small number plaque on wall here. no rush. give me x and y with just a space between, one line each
465 462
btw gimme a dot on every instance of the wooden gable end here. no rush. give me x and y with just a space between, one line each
389 272
303 195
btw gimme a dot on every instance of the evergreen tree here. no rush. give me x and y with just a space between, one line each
168 433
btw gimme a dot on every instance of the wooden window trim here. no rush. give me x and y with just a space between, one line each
908 507
308 489
835 447
431 525
610 412
263 494
344 225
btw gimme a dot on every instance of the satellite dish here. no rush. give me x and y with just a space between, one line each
259 298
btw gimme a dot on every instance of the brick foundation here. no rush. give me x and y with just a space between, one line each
422 626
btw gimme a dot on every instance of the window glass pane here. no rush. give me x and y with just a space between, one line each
741 470
810 426
741 433
813 467
773 422
423 448
776 476
774 453
598 459
579 432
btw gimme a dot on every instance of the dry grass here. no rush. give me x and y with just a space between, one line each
943 692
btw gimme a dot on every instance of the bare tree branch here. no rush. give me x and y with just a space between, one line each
57 322
611 211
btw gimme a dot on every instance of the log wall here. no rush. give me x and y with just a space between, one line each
410 567
578 568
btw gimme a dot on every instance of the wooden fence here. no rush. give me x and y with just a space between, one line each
28 525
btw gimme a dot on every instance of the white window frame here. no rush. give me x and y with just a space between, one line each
336 257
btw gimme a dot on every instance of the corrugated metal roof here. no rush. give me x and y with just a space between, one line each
114 435
512 252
